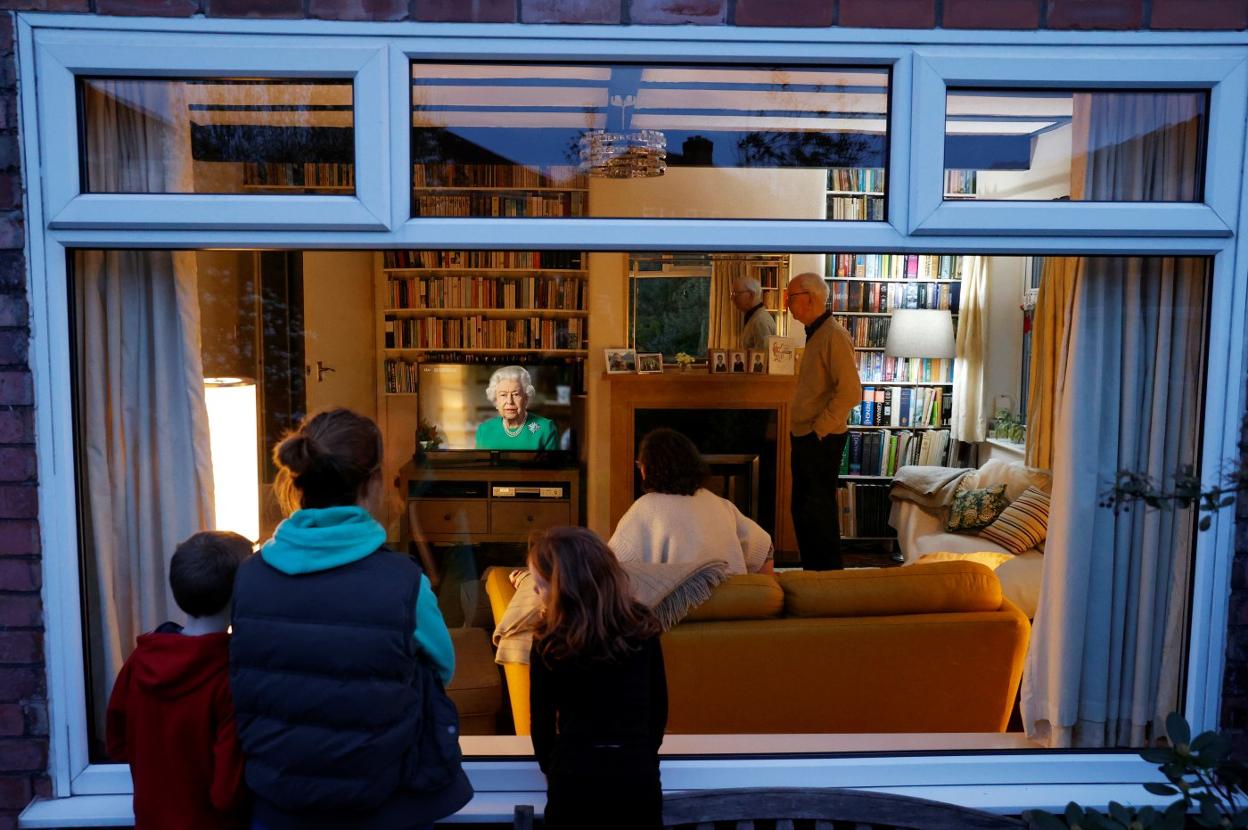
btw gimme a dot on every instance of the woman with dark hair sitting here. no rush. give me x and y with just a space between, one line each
679 520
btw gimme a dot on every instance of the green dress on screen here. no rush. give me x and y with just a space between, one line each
536 433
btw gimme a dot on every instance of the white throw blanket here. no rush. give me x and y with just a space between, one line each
931 487
672 591
664 527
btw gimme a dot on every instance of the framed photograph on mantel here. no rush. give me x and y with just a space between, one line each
779 355
650 364
620 361
717 361
758 362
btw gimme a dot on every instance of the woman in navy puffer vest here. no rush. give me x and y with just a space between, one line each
332 631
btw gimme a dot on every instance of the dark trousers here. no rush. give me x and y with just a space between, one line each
604 790
816 465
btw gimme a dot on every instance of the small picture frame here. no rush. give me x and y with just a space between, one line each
650 364
717 361
736 362
758 361
779 355
620 361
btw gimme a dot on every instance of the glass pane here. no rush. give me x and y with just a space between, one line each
1090 146
218 136
649 141
226 350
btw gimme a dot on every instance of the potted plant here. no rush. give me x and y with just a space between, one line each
427 435
684 361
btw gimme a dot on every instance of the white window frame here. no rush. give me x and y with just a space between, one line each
62 56
1223 73
98 794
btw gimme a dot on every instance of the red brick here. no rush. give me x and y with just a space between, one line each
6 34
43 786
569 11
701 12
21 684
1204 15
12 270
268 9
991 14
151 8
47 5
35 714
19 647
16 388
13 348
19 537
14 792
12 721
13 310
888 14
22 754
10 183
784 13
1095 14
20 611
19 575
16 426
12 230
358 9
466 11
17 463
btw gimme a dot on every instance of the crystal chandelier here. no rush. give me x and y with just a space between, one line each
623 154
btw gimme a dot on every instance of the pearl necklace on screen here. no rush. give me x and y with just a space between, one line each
507 430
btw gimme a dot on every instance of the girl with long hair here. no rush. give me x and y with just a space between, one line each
598 689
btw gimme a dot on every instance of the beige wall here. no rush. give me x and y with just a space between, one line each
1003 361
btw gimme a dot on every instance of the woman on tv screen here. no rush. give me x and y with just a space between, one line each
510 389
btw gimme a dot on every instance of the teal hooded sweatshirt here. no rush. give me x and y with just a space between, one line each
329 537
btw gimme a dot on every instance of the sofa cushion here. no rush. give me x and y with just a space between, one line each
1015 476
938 588
973 509
1022 525
742 597
1019 575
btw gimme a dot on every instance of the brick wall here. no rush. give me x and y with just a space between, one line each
23 688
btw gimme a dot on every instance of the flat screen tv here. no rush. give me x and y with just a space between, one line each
452 397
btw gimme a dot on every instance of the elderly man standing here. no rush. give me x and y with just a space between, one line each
827 389
747 296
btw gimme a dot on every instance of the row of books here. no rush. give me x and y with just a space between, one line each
561 260
960 182
866 332
530 292
299 174
572 203
862 179
863 509
454 174
477 332
876 367
895 266
903 406
882 297
863 208
881 453
401 376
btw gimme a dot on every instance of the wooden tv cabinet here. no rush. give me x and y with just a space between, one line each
485 503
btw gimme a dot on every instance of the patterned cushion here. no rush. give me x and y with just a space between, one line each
973 509
1022 525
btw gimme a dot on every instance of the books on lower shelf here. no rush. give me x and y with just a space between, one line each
499 204
498 260
456 174
881 297
476 331
903 406
896 266
881 452
308 175
864 510
853 207
400 376
547 292
876 367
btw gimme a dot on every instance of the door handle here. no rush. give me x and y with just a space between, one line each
322 370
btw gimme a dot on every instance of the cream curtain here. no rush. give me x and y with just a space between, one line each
969 421
724 330
144 425
1116 368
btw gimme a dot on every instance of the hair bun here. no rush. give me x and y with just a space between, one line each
296 452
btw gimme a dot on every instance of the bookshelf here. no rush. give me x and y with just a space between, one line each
960 184
498 190
856 193
484 305
907 402
299 177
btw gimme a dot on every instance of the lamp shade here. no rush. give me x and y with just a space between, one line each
233 434
920 332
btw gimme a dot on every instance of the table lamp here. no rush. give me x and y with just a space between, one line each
920 332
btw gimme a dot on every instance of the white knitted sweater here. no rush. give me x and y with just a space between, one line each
661 527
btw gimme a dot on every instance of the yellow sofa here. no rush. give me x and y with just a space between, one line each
929 648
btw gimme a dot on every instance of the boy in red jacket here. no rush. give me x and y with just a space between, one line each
170 715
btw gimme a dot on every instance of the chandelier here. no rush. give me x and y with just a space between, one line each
623 154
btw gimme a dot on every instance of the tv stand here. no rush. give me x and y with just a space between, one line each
486 501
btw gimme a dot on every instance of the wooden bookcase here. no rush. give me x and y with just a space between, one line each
498 190
856 193
299 177
864 288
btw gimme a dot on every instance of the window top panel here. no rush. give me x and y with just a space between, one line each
654 141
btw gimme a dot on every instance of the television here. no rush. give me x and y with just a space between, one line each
452 397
